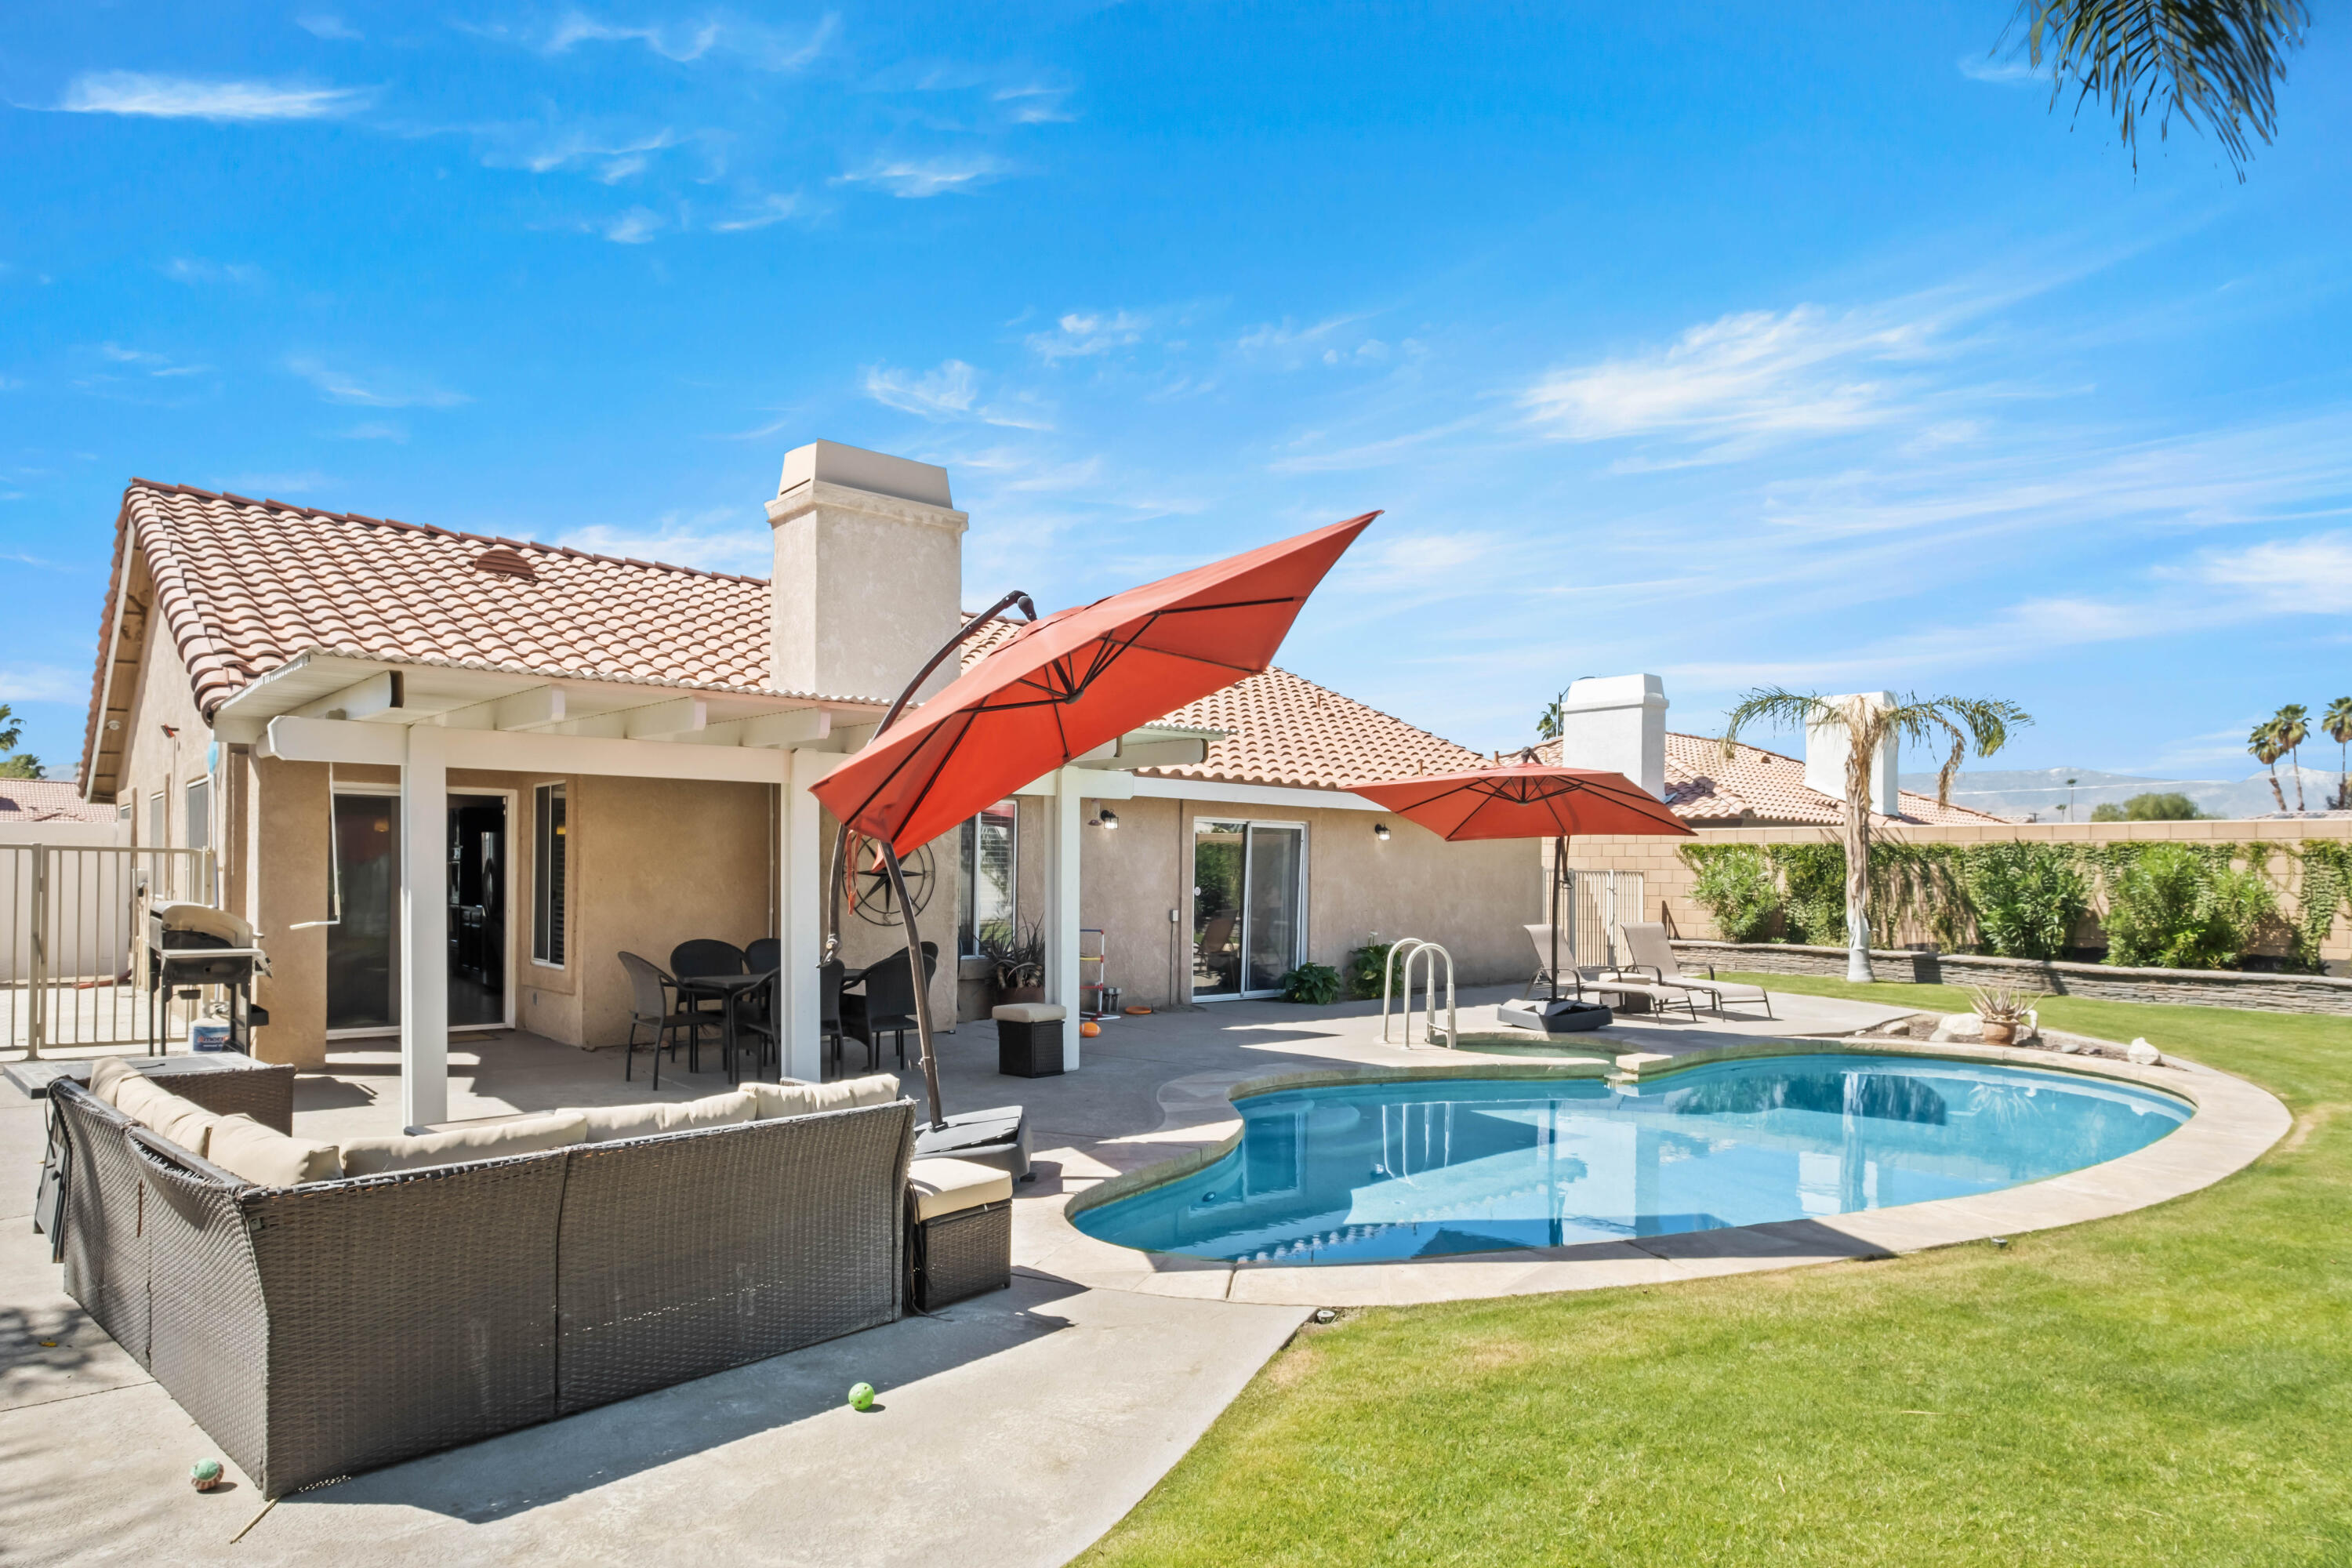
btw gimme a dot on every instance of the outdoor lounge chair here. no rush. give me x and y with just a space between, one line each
1574 982
1648 950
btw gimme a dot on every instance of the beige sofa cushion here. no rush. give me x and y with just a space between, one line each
611 1123
950 1186
793 1098
106 1076
268 1158
161 1112
1029 1013
523 1136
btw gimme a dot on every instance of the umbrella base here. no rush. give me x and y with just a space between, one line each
1562 1016
999 1138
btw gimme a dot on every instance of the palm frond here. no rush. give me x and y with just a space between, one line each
2211 62
1775 707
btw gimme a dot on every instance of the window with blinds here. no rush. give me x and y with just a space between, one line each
549 879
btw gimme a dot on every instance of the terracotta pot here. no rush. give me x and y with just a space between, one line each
2000 1032
1019 994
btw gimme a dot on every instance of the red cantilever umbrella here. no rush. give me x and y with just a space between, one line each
1527 800
1059 687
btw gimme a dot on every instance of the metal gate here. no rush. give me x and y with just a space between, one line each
69 940
1592 905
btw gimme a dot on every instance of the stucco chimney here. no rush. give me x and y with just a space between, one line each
868 571
1617 722
1825 750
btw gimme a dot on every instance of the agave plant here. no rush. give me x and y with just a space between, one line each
2004 1003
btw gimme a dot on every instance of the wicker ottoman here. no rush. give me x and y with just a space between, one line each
1029 1038
958 1231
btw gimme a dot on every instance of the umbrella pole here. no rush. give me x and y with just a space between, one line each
1558 874
922 984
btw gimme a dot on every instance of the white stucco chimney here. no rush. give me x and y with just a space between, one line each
868 571
1617 722
1825 750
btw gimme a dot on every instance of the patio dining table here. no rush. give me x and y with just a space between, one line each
728 990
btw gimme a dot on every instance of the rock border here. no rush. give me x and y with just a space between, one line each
2233 1124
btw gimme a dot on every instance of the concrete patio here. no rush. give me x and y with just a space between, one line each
1012 1429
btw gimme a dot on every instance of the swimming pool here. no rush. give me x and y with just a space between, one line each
1363 1172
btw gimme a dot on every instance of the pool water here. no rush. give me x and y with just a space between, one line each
1361 1173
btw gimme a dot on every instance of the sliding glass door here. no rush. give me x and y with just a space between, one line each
1249 906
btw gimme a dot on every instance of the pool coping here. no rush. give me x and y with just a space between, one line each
2232 1124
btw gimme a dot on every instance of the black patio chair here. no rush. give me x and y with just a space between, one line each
829 975
887 1006
755 1018
650 1007
704 956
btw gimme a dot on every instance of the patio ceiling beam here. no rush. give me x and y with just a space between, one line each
384 692
801 728
532 708
331 740
678 716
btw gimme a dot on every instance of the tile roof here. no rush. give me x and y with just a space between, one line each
46 800
1283 729
1763 787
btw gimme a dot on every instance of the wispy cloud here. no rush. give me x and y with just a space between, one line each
1082 333
148 363
1378 454
634 226
194 269
918 177
769 49
42 683
324 25
189 97
2009 72
1034 104
775 207
716 539
338 385
950 392
1289 345
1742 381
376 430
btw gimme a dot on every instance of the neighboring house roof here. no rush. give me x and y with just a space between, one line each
1761 788
242 586
46 800
1283 729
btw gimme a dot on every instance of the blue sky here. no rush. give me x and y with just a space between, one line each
1804 345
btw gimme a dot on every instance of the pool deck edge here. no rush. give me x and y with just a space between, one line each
2234 1124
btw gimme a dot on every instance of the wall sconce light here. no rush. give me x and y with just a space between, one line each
1105 817
1381 831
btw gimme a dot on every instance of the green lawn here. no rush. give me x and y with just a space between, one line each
2171 1386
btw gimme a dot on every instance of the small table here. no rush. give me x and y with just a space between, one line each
727 988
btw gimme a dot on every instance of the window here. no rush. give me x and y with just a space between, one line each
200 814
991 859
548 883
155 804
122 811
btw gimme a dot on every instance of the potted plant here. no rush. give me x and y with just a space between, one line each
1016 962
2008 1013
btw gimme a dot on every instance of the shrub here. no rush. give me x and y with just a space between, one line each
2170 907
2027 897
1365 968
1736 887
1317 985
1815 903
2168 805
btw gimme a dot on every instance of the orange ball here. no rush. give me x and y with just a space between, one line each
1089 1029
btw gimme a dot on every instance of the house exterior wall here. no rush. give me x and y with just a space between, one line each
1668 878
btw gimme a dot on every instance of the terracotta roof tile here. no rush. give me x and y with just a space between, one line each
46 800
244 586
1763 787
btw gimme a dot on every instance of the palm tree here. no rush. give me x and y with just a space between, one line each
1549 725
1982 722
2263 743
2217 61
2293 722
2337 722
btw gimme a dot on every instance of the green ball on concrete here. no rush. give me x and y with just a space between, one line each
861 1396
205 1474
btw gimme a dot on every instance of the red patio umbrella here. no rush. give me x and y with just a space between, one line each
1525 799
1059 687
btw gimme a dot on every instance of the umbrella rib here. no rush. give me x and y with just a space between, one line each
938 771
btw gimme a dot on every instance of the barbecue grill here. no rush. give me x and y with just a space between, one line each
197 944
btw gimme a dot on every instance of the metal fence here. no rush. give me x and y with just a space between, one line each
69 940
1592 905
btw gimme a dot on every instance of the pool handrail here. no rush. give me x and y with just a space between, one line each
1412 948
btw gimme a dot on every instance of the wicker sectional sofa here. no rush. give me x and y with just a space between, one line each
325 1328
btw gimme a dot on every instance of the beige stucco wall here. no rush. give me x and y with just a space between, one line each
1667 878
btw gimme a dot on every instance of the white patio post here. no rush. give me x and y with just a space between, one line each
800 905
1066 817
424 928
